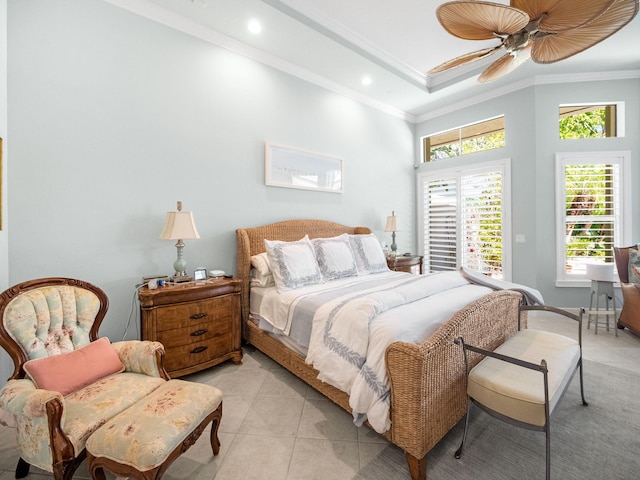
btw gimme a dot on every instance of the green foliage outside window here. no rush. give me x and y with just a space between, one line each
469 145
588 204
583 125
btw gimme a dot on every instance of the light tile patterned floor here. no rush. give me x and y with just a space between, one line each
276 427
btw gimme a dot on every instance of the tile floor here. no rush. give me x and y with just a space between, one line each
276 427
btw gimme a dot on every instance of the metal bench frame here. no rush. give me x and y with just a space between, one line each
542 368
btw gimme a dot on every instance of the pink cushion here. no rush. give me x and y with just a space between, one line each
71 371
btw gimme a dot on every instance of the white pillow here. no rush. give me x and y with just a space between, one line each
368 253
293 264
258 279
261 263
335 257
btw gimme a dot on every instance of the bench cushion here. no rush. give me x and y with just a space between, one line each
144 435
90 407
518 392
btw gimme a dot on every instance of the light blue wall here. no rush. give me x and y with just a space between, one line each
5 362
531 141
113 118
4 243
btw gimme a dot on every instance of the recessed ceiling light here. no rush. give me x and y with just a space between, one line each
254 26
366 80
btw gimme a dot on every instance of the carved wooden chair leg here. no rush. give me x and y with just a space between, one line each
213 435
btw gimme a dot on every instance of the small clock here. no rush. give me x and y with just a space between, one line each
200 273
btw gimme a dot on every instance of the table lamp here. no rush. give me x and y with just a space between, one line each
391 227
179 226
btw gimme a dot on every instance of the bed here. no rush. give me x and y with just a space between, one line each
427 381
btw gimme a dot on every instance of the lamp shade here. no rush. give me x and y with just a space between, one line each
391 223
179 226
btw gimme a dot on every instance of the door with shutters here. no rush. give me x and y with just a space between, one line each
464 219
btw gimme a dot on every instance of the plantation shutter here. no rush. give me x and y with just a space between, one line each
481 222
463 222
592 200
441 199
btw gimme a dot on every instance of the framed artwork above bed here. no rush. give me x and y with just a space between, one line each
292 167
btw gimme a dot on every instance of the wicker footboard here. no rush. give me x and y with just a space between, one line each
428 384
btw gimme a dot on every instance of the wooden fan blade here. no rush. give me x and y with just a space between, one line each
555 47
475 20
463 59
505 64
562 14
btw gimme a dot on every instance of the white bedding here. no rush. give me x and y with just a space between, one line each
356 319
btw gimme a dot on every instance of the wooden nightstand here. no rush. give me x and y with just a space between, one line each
402 263
197 322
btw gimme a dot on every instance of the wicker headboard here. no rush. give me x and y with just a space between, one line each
250 241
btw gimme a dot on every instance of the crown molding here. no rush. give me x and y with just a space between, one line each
550 79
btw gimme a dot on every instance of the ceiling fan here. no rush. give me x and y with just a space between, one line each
546 31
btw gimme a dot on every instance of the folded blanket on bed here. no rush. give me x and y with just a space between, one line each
531 295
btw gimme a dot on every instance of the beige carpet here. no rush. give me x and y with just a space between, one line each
597 442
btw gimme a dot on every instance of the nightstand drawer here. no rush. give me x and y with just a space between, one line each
199 332
185 315
177 358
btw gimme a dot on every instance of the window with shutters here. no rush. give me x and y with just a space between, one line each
464 219
591 209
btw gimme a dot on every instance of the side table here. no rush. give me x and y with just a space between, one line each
406 263
197 322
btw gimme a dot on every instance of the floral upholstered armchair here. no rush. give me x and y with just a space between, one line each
66 382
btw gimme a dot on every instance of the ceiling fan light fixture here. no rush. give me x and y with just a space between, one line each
515 42
544 30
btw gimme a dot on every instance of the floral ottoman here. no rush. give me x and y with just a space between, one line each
142 441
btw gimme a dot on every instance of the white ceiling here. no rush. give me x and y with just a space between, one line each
395 42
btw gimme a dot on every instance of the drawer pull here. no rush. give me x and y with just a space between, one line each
196 316
199 349
197 333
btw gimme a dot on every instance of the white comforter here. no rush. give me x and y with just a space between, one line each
351 333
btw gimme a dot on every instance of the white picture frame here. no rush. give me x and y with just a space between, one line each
291 167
